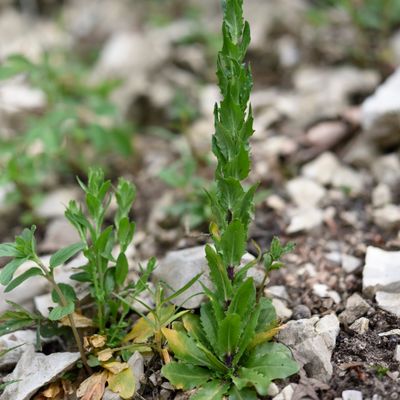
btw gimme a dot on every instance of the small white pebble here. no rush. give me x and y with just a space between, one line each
352 395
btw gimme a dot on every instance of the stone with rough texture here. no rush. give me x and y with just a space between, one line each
387 217
180 266
59 233
360 325
34 370
352 395
286 393
282 311
322 169
389 302
54 203
396 355
313 341
348 178
17 340
305 219
386 169
356 307
381 270
381 111
381 195
304 192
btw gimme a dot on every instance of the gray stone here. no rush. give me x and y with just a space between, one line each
360 325
381 111
313 341
136 362
54 203
35 370
323 291
356 307
273 389
282 311
352 395
389 302
350 263
396 355
286 393
59 233
17 340
277 291
304 192
305 219
180 266
301 312
348 178
387 217
381 270
386 169
322 169
381 195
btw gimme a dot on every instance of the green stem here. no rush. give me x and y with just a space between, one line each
50 278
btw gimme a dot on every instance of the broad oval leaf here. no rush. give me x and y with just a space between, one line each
186 376
185 347
8 250
214 390
60 312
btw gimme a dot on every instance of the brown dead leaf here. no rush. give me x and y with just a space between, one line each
93 387
80 321
105 355
115 367
94 341
53 391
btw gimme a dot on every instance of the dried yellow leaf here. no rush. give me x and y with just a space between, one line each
80 321
53 390
93 387
141 331
115 367
104 355
97 341
123 383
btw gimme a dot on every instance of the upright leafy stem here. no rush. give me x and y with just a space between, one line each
232 205
226 350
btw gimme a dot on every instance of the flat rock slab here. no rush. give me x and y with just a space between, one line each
34 370
381 271
180 266
313 341
17 341
389 302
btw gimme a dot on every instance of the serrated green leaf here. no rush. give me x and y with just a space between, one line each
63 255
186 376
244 394
209 324
250 377
244 299
213 390
233 243
34 271
229 334
184 347
218 273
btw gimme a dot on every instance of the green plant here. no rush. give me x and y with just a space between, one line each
77 125
226 350
24 249
147 330
104 273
